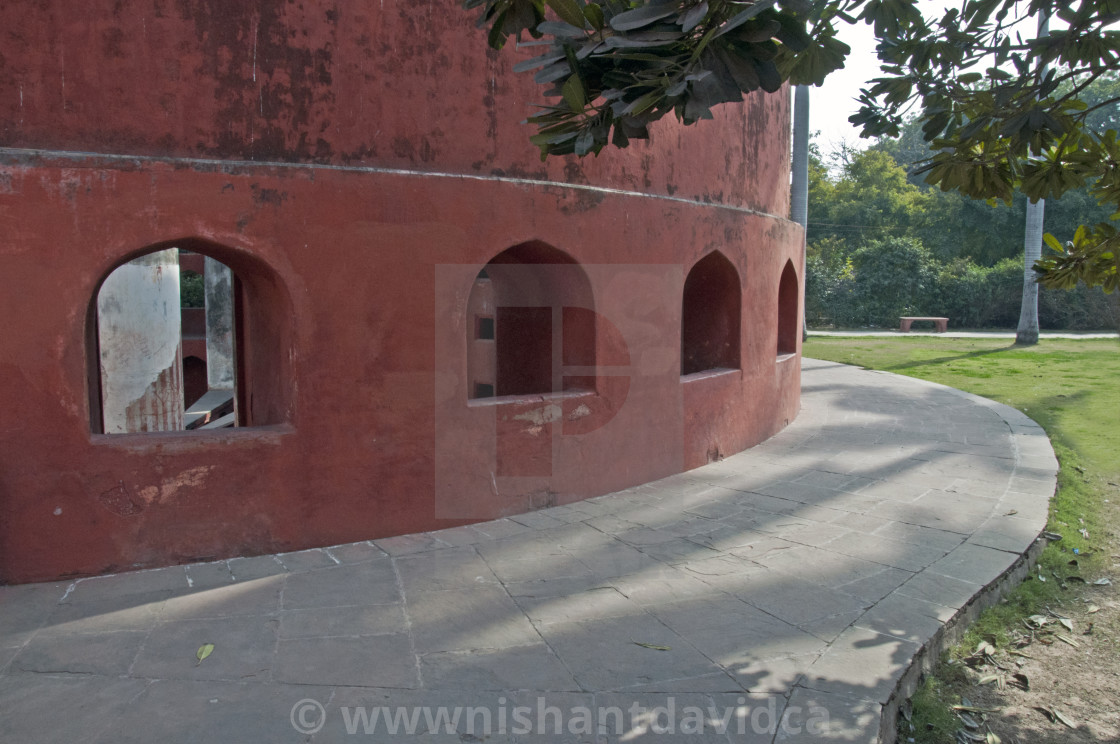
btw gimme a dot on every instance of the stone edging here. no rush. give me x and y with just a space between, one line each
1036 469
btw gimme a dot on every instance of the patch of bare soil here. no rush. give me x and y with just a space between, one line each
1059 683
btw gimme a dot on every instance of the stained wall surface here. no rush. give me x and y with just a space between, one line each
355 165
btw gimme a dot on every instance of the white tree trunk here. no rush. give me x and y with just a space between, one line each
1027 332
1032 251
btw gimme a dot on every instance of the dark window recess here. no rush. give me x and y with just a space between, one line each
788 302
710 311
485 330
483 390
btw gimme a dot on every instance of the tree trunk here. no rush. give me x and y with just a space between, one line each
1027 332
1032 251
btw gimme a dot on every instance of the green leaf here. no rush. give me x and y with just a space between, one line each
593 12
742 17
562 30
567 11
692 17
203 651
642 16
584 142
574 94
1053 242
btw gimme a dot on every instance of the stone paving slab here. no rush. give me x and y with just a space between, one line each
779 595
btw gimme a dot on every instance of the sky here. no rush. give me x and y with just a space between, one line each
831 104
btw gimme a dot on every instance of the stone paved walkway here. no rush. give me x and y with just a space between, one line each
749 601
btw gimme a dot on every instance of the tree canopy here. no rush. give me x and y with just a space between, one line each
1004 109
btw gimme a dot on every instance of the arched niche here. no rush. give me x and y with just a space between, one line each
530 313
788 329
710 316
135 311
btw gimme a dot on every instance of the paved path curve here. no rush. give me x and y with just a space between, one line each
750 600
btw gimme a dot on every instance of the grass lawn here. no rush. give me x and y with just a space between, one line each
1072 389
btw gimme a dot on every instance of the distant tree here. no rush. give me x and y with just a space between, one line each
909 149
868 199
985 230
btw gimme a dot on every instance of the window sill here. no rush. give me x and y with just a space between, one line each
184 437
705 374
785 357
528 398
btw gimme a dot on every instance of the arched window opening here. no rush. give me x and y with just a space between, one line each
166 335
528 319
710 316
788 330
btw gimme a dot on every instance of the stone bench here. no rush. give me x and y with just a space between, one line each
940 325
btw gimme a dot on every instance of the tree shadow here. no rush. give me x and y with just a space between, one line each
947 359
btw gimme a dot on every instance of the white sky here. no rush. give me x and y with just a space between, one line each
831 104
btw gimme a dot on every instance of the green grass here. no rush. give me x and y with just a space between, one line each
1072 389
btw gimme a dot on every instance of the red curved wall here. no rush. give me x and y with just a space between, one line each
356 168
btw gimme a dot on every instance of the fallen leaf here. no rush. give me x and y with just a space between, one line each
1103 582
203 651
1093 608
1066 622
968 706
1052 536
987 679
1066 639
1021 680
968 720
993 739
654 647
1063 719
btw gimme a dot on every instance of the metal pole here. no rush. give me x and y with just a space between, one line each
799 196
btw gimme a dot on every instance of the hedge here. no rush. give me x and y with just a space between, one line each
887 279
